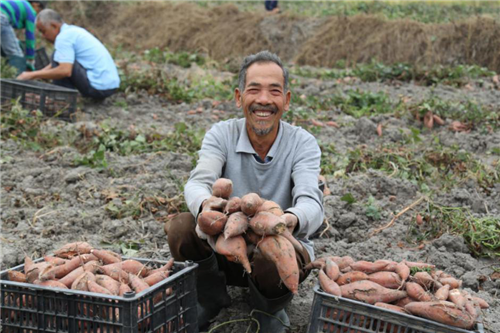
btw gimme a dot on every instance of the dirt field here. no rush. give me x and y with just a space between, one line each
47 199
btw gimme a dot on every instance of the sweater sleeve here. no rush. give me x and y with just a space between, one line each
307 197
30 34
211 161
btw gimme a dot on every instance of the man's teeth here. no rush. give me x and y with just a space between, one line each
262 114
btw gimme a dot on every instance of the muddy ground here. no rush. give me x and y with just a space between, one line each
48 201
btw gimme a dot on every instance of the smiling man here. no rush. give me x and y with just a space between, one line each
261 154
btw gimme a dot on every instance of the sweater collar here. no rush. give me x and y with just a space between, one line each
245 146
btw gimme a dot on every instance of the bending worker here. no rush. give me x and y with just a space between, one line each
260 153
19 14
80 61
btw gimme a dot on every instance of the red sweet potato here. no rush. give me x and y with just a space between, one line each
16 276
442 293
233 206
265 223
328 285
417 292
280 251
271 207
51 284
109 283
332 270
72 249
391 307
350 277
454 283
386 279
371 292
457 298
153 279
137 283
165 268
424 279
441 313
418 264
212 222
403 271
92 286
368 267
237 224
235 249
250 203
222 188
107 257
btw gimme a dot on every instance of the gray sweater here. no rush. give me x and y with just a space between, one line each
290 179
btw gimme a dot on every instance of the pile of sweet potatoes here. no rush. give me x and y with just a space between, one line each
250 223
408 287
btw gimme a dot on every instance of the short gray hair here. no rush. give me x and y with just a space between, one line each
48 15
261 57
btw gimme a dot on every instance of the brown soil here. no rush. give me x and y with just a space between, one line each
226 33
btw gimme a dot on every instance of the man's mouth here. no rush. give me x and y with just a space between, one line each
263 111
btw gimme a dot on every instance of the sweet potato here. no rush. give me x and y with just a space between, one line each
424 279
93 287
51 284
56 261
296 244
235 249
80 282
328 285
350 277
471 309
391 265
222 188
371 292
368 267
344 262
265 223
30 270
417 292
124 288
252 237
109 283
442 293
237 224
271 207
441 313
107 257
454 283
165 268
403 271
153 279
391 307
233 206
212 222
250 203
481 302
16 276
129 266
418 264
62 270
72 249
386 279
457 298
137 283
403 301
215 203
332 270
280 251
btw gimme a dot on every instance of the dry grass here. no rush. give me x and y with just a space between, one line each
225 33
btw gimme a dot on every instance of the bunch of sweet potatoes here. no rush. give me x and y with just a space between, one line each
427 293
246 224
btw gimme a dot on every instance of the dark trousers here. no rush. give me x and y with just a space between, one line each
80 81
270 5
185 244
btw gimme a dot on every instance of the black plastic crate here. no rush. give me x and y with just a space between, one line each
41 58
341 315
51 100
167 307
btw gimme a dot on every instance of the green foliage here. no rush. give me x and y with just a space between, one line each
96 158
414 270
349 198
183 59
358 103
7 71
482 235
372 210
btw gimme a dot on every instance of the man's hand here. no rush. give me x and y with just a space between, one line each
25 76
214 203
291 221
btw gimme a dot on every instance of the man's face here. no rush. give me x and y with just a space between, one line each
49 31
264 99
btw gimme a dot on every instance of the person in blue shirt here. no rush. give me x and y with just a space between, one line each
80 61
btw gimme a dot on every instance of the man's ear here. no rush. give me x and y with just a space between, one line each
287 100
237 97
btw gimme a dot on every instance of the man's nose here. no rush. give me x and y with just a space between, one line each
263 97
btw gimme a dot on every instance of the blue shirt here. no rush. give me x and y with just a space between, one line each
75 43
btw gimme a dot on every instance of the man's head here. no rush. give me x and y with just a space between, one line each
49 23
38 6
263 92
